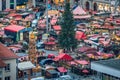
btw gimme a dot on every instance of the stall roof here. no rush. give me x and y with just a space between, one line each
63 56
2 64
62 69
79 13
14 28
57 27
25 65
79 10
80 35
52 71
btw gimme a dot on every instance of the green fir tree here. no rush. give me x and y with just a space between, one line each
66 38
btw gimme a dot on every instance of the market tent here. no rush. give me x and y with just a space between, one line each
14 28
78 10
63 56
79 13
25 65
80 35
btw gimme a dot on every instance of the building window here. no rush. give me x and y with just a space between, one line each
7 68
11 1
7 78
3 4
11 4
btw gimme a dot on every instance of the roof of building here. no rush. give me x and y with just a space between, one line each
114 63
5 53
110 67
2 64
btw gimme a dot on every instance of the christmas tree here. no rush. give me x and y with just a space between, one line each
66 37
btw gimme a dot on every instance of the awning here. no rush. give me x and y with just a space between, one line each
25 65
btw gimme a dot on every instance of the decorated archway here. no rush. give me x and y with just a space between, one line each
87 5
95 7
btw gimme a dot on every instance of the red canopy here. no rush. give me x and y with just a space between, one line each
57 27
83 62
14 28
80 35
14 15
51 55
63 56
62 69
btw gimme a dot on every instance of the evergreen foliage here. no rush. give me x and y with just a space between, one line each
66 38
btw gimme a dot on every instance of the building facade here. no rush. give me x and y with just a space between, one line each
9 72
7 4
107 69
101 5
8 64
13 4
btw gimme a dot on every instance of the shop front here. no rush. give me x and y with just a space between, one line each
104 7
19 7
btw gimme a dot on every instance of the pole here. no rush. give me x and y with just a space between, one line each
47 16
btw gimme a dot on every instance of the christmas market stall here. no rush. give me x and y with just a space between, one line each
51 44
62 70
17 32
62 59
56 28
51 74
25 68
79 13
